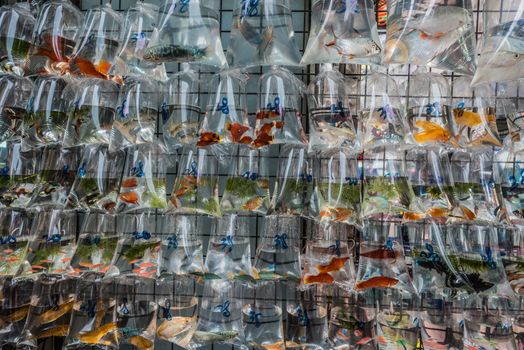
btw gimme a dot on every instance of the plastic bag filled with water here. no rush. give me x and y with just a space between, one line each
49 312
511 244
278 119
93 319
13 103
294 186
343 31
96 245
226 112
17 25
136 312
177 314
502 44
441 323
330 119
438 34
186 31
219 315
139 246
98 180
247 186
181 112
91 115
97 42
196 185
15 240
262 34
382 264
229 251
182 245
278 251
15 302
329 256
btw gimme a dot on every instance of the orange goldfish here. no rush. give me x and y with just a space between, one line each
410 216
265 129
471 119
341 214
335 265
381 253
94 336
140 342
57 331
468 213
377 282
129 197
432 132
130 182
263 140
438 212
53 315
236 130
279 345
208 138
267 114
253 204
320 278
87 68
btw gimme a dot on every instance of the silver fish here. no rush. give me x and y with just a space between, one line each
440 20
354 47
174 53
499 66
214 336
505 37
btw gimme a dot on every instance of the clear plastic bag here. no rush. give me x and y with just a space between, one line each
182 245
98 180
229 252
382 263
13 102
93 320
338 187
186 31
96 245
278 119
328 258
15 300
219 315
17 22
136 312
98 42
502 46
143 184
295 185
436 34
331 122
247 186
226 112
91 116
196 186
14 241
278 252
343 31
441 323
511 245
509 171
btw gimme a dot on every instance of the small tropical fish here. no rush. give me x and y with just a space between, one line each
431 132
381 253
253 204
58 331
354 47
208 138
147 265
94 336
364 341
174 53
176 325
335 265
141 342
130 182
237 130
471 119
18 315
215 336
129 197
86 67
54 314
320 278
377 282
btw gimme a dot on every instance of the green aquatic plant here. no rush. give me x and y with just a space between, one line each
349 194
137 251
462 263
86 248
383 187
241 187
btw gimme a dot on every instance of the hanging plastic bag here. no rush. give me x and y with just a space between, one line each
98 180
91 116
54 37
226 112
278 119
382 120
294 185
14 241
229 252
442 323
143 184
18 176
93 321
96 246
219 315
14 301
137 110
177 314
278 252
139 247
328 258
13 103
49 311
136 312
330 116
343 31
438 35
196 185
186 31
182 245
53 246
262 316
382 262
98 42
502 46
181 115
511 245
17 22
247 187
262 34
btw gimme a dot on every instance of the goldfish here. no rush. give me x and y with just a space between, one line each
236 130
381 253
438 212
253 204
263 140
215 336
174 53
208 138
147 265
410 216
468 213
377 282
263 183
431 132
278 345
341 214
18 315
57 331
265 129
94 336
320 278
335 265
86 67
89 265
173 327
354 47
129 197
364 341
141 342
130 182
267 114
471 119
54 314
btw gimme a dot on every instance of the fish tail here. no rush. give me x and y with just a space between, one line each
267 39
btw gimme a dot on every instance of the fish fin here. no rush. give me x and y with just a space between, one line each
267 39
